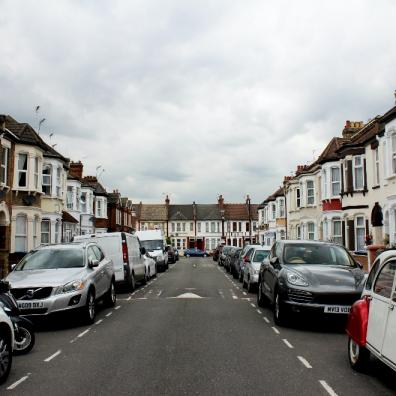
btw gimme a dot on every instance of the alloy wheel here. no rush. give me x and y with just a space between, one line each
5 357
23 338
354 351
91 306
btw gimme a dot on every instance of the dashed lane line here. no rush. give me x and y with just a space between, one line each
99 321
288 343
266 319
129 298
276 331
304 362
258 311
53 356
117 307
109 314
16 383
244 293
252 305
235 297
328 388
84 332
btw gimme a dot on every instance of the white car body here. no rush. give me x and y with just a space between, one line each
124 251
151 267
252 267
381 291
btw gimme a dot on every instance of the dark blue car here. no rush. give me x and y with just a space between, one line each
194 252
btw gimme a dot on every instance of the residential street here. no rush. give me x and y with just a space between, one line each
220 344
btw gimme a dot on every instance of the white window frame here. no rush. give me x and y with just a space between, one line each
311 232
199 226
281 207
324 183
335 182
58 181
393 152
207 226
46 221
69 198
273 211
357 168
376 167
298 231
360 227
4 165
36 173
25 171
312 195
298 197
21 236
337 238
46 179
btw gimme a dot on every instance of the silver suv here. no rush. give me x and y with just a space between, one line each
58 278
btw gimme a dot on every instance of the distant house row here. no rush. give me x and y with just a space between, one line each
348 195
45 198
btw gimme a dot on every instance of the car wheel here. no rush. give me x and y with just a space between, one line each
279 311
358 356
24 339
111 297
144 281
5 357
89 311
261 300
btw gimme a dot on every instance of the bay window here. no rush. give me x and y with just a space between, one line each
4 165
22 170
45 231
298 198
376 167
46 179
310 192
311 231
36 173
69 198
273 211
58 181
21 233
337 231
358 178
335 181
281 207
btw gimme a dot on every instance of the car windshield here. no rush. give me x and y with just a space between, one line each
260 255
51 259
153 245
309 253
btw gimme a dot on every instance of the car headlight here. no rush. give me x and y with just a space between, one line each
6 309
71 287
295 279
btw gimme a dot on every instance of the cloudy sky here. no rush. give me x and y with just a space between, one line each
195 98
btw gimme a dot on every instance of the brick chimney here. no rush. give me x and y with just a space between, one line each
76 169
2 122
351 128
220 202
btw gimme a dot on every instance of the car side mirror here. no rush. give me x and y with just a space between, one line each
93 263
13 266
143 250
274 261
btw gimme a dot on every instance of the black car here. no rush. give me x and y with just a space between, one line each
234 262
309 277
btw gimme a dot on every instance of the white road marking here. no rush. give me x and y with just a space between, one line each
141 298
133 293
252 305
99 321
188 295
266 319
53 356
304 361
275 330
109 314
15 384
83 333
244 293
159 293
328 388
117 307
235 297
221 294
129 298
258 311
150 292
288 343
237 287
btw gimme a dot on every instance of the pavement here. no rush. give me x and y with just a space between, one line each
192 330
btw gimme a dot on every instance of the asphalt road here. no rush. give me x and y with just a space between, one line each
161 341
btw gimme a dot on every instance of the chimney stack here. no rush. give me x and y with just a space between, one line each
220 201
2 122
167 200
351 128
76 169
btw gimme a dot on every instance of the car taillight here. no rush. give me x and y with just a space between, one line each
124 252
246 259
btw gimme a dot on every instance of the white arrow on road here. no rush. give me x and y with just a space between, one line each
187 295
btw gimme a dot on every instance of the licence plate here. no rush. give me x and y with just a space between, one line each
337 309
30 305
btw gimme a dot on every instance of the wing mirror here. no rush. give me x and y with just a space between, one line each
143 250
13 266
274 261
92 263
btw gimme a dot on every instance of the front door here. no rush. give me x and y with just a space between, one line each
380 306
389 347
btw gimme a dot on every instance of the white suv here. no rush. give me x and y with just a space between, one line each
372 321
6 345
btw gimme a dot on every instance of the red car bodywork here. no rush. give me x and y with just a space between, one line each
358 320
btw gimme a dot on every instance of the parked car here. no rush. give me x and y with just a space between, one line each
194 252
6 345
254 258
234 258
223 254
217 252
151 267
372 321
171 254
240 265
124 250
309 277
227 262
83 276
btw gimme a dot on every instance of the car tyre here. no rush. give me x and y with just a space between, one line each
249 286
5 357
89 311
358 356
279 311
111 296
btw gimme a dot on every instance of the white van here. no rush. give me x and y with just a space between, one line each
154 242
126 253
